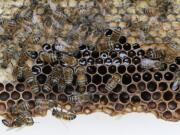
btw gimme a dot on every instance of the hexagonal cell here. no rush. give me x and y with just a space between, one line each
20 87
158 76
168 95
40 96
119 107
86 53
117 61
117 89
81 89
112 69
122 40
177 97
106 78
10 103
9 87
96 98
47 69
4 96
113 54
90 61
136 60
26 95
95 54
141 53
146 96
167 115
127 61
69 89
127 47
102 89
135 99
156 95
41 78
91 88
124 97
136 77
163 86
135 46
102 70
126 79
51 96
162 106
2 107
131 88
82 62
147 76
96 79
117 47
131 53
31 104
152 86
141 86
152 105
63 98
104 100
99 61
173 67
168 76
177 60
1 86
15 95
113 97
108 61
131 68
104 55
172 105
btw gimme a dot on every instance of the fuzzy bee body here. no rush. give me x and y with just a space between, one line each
80 98
63 115
176 83
48 57
156 54
81 76
151 64
68 75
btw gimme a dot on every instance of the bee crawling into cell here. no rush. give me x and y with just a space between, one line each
81 76
60 114
176 82
80 98
20 107
111 84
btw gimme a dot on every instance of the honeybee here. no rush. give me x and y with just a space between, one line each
80 98
104 44
149 11
68 75
6 59
63 115
46 88
48 57
111 84
169 55
35 88
20 107
151 64
81 76
42 105
176 83
23 118
69 61
156 54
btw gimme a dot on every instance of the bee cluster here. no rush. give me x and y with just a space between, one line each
71 60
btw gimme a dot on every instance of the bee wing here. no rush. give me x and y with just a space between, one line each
175 85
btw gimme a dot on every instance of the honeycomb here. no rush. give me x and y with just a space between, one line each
107 74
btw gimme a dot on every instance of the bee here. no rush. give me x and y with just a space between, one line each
156 54
151 64
27 14
46 88
36 37
69 61
149 12
80 98
104 44
48 57
21 72
59 15
68 75
63 115
81 76
42 105
176 83
20 107
6 59
23 118
111 84
35 88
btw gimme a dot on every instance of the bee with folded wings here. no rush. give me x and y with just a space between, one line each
176 83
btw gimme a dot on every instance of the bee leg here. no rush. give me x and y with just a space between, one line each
7 122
